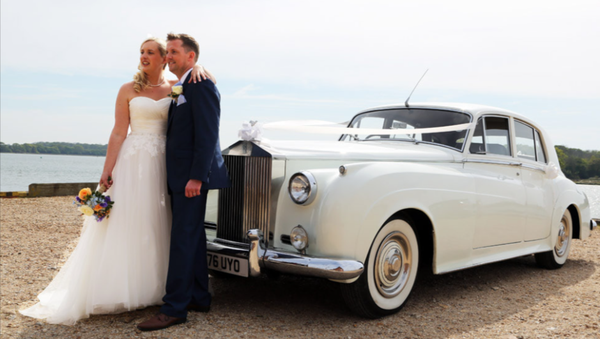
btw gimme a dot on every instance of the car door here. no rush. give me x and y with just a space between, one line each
540 195
500 193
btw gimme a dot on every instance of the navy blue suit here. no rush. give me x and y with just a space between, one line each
193 152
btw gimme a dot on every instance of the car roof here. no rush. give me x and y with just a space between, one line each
474 109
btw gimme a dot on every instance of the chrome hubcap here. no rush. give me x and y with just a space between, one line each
393 264
562 241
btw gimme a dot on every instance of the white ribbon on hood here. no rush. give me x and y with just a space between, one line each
326 127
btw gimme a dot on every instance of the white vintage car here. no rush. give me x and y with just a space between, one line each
441 187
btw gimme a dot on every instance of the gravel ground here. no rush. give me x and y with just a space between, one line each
511 299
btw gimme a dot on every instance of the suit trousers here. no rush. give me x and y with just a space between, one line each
187 279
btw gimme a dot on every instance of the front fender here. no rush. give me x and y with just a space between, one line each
356 205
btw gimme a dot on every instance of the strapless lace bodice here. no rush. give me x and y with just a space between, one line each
148 116
148 122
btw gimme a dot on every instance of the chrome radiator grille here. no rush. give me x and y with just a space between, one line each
246 204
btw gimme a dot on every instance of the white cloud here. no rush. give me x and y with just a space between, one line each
538 49
535 47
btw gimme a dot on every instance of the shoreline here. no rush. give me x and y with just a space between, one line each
595 181
50 190
77 155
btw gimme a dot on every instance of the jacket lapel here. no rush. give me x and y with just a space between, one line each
173 105
185 83
171 113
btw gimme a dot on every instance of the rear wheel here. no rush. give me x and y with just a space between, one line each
557 257
390 272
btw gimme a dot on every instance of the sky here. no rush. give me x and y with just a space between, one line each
63 61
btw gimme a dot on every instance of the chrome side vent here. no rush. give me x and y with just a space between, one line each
247 203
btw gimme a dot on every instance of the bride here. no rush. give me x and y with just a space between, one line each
120 264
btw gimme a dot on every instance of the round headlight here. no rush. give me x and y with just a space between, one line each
302 188
299 238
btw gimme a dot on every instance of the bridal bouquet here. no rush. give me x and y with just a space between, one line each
94 203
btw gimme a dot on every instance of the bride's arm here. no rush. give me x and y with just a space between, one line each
199 73
118 134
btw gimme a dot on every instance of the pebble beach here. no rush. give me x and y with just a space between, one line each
510 299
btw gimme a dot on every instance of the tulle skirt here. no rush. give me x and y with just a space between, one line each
120 264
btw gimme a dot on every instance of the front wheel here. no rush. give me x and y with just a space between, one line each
390 272
557 257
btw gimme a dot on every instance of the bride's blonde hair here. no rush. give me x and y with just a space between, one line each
140 79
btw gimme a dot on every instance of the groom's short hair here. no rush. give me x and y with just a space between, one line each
189 43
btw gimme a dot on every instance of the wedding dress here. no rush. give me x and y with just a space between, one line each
120 264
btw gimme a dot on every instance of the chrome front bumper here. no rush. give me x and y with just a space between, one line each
260 257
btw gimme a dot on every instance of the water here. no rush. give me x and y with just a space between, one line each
19 170
593 194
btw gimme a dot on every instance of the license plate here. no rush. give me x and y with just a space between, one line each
227 264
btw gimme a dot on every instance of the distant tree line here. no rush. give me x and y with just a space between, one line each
578 164
55 148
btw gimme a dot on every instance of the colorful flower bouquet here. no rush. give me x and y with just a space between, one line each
94 203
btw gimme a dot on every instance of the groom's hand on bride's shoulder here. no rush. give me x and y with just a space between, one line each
192 189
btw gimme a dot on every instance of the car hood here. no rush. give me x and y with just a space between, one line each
359 151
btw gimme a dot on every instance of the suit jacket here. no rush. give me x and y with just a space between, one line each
193 149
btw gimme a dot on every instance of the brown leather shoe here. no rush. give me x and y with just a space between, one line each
159 321
198 308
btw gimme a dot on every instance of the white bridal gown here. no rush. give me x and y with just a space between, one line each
120 264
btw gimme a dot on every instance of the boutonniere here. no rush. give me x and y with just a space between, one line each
176 91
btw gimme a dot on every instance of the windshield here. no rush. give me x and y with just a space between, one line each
400 122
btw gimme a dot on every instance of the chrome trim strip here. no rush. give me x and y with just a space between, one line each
259 257
494 162
535 168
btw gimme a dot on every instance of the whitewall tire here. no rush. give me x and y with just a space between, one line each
390 271
562 239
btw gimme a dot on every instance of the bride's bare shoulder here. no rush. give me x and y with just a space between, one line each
127 88
126 92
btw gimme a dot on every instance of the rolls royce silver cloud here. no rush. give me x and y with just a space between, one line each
441 187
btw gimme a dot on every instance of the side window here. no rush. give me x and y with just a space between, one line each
477 140
525 141
497 136
539 148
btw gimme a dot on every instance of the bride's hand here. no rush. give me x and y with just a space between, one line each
106 180
200 73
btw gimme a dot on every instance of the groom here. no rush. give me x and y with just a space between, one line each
194 165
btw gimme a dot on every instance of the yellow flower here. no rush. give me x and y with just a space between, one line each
87 210
176 90
84 193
